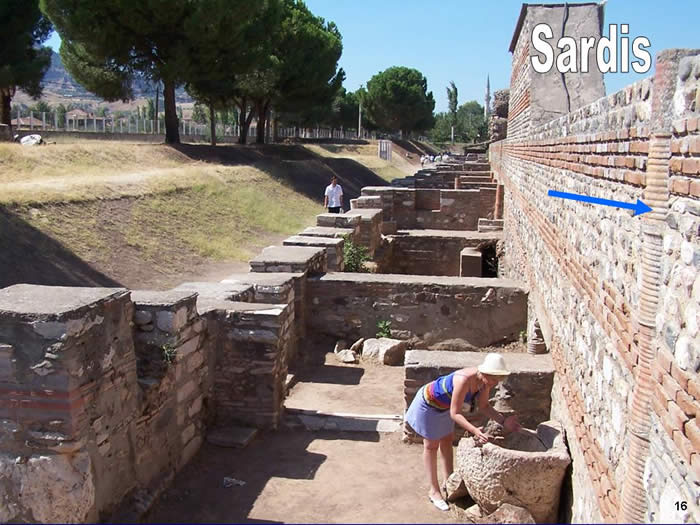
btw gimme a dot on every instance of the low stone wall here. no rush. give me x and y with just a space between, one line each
431 252
369 231
526 392
439 209
105 394
333 246
427 310
251 343
121 137
173 364
91 410
286 259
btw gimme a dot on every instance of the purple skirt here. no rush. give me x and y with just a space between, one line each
426 421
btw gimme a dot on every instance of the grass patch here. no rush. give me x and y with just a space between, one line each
368 157
94 159
221 220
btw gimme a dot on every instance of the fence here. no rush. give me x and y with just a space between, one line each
93 124
53 121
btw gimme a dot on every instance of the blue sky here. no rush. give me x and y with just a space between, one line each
464 40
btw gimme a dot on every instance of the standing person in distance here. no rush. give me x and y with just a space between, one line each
438 406
333 196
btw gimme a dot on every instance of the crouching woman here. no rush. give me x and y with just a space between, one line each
438 406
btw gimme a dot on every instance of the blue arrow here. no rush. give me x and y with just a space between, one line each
639 207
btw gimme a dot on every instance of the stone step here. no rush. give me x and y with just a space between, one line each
337 220
333 246
231 437
470 263
314 420
326 231
290 259
366 202
480 178
490 225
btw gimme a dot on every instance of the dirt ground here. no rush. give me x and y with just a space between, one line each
358 389
303 476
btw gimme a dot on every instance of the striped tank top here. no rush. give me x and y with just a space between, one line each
438 393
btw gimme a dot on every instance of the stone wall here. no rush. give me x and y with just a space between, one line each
172 351
585 270
431 252
89 416
428 310
526 392
438 209
105 394
251 359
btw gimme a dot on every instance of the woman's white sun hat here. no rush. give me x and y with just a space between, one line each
493 365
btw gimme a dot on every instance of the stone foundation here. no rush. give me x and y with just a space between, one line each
91 406
430 252
427 310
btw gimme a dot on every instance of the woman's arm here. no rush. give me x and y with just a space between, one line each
509 423
486 408
459 392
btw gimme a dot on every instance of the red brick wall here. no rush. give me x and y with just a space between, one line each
583 264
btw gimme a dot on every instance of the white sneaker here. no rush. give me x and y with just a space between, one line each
439 503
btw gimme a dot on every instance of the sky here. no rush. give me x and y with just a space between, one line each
466 40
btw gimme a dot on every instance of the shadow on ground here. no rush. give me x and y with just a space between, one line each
27 255
332 374
293 165
278 464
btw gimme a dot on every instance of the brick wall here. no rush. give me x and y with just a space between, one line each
584 266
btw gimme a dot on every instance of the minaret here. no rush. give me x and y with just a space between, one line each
487 99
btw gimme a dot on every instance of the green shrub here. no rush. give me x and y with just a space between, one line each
354 256
383 329
169 353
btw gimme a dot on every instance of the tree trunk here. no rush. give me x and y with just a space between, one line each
275 127
261 110
212 125
243 121
172 131
157 127
5 109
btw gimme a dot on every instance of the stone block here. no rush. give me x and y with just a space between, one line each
490 225
338 220
384 350
326 231
290 259
525 469
470 263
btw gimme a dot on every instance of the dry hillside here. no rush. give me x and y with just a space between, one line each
151 216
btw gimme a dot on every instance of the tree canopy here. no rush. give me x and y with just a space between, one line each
452 102
23 61
398 99
223 59
300 74
105 45
469 124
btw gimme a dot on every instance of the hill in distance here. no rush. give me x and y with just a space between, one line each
60 87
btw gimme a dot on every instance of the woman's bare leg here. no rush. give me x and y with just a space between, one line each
430 449
446 451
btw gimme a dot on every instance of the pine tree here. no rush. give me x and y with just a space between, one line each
23 62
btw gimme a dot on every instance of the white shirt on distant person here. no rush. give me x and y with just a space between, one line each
335 196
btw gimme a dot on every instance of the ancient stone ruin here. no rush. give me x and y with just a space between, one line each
105 394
